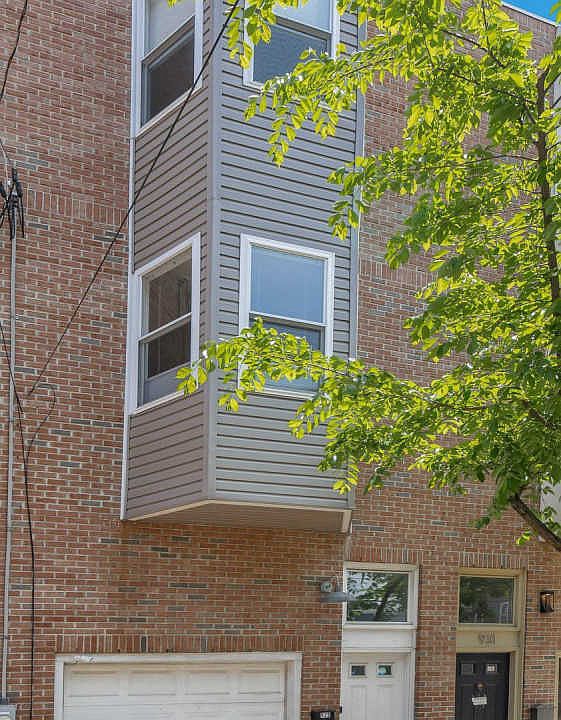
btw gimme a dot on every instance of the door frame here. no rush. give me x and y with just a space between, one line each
408 655
557 685
291 660
483 653
507 639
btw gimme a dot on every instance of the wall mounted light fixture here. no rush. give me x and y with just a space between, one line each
547 601
331 592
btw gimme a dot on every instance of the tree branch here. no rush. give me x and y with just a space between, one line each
533 520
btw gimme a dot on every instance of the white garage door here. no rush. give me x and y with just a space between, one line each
174 692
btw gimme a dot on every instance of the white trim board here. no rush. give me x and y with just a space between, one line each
138 55
335 33
246 243
136 313
293 662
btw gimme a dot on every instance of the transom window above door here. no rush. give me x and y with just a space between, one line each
379 596
487 600
297 29
291 289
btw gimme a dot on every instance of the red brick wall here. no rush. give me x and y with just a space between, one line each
104 586
407 523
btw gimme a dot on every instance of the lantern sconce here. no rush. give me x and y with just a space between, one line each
331 592
547 601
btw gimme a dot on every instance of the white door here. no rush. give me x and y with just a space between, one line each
375 687
174 692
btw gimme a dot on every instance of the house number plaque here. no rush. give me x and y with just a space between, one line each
479 700
487 639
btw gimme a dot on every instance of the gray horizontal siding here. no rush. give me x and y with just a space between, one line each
166 456
167 444
257 458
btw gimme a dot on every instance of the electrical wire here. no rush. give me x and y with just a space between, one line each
12 378
22 17
26 450
137 194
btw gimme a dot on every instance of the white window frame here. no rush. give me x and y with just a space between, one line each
139 54
247 242
412 594
136 314
335 35
292 661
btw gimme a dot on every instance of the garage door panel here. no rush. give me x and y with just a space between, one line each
208 682
152 682
94 683
174 691
259 682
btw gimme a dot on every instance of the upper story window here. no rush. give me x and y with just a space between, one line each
296 30
487 600
168 327
379 596
291 289
170 56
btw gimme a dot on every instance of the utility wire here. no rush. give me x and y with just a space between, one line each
11 58
10 369
26 450
137 194
22 17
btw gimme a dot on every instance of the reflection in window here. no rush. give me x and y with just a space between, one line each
169 54
296 30
377 596
165 345
288 292
486 600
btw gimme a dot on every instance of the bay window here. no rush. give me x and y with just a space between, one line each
296 30
291 289
167 334
171 52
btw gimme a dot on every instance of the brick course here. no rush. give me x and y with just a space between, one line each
109 587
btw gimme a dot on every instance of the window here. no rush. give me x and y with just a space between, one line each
171 53
167 338
487 600
296 30
378 596
291 289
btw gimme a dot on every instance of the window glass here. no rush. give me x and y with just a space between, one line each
162 20
315 13
282 53
486 600
169 296
166 343
377 596
287 285
168 76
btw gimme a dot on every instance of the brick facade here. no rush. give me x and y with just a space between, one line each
104 586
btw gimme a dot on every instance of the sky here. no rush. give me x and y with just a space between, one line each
540 7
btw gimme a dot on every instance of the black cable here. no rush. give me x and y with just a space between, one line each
12 378
26 453
14 49
136 196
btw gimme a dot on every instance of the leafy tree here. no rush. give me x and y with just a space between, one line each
480 161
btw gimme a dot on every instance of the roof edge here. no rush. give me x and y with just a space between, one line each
549 21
